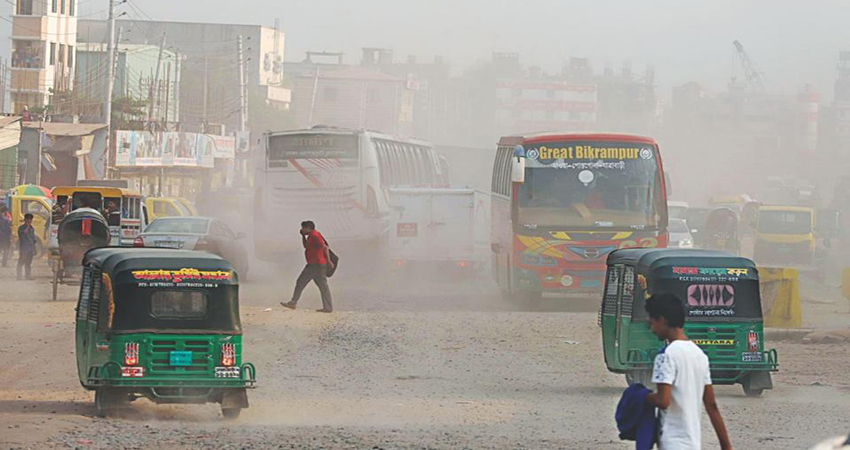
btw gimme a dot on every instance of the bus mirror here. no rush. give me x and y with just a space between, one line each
518 169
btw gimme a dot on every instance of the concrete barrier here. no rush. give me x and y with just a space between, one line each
780 297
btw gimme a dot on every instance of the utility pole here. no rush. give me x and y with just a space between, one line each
206 93
243 106
155 85
110 80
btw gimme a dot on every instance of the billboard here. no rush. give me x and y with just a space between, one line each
170 149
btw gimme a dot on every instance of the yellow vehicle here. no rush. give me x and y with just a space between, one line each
39 207
785 235
123 210
169 207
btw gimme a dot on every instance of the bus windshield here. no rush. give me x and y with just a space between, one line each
590 184
341 147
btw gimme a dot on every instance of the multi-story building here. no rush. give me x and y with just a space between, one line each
209 88
44 36
353 97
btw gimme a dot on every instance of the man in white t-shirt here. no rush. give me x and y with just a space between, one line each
682 375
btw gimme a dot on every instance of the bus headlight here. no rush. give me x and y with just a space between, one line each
567 281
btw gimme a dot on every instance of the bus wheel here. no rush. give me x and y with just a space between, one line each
529 300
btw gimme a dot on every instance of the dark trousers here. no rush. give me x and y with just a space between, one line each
316 273
6 250
25 262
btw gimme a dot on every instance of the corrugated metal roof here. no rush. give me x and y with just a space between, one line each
65 129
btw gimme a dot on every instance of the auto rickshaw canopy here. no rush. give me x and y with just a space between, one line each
160 290
713 285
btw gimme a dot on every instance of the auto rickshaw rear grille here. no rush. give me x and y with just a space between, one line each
161 353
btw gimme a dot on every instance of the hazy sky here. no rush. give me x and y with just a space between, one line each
793 42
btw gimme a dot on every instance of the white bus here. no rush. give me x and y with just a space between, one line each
340 179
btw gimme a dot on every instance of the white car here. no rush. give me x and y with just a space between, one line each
197 233
679 235
677 210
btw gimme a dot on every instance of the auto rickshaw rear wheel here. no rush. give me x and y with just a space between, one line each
107 399
231 413
752 392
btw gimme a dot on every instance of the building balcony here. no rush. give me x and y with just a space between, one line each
31 80
45 28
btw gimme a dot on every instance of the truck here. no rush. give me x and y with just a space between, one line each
437 227
785 235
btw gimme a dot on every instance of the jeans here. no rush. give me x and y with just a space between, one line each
25 262
318 274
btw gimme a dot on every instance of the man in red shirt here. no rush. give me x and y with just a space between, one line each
318 263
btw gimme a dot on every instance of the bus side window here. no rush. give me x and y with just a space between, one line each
395 171
380 153
494 180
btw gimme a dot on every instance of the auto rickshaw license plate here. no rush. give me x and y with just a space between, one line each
180 359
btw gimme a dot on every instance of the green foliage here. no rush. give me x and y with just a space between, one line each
126 110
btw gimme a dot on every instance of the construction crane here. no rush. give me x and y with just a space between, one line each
755 79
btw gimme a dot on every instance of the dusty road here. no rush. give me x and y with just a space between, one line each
438 366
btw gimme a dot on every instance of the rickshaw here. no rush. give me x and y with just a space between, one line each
122 209
78 232
163 325
724 316
721 231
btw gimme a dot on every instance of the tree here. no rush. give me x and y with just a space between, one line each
128 113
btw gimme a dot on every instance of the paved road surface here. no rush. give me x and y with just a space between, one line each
418 364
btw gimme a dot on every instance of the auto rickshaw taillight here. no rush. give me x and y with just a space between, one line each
131 354
228 354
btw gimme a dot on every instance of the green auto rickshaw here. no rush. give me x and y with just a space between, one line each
161 324
722 303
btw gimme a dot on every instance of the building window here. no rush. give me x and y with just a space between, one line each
71 7
27 55
24 7
52 53
330 94
55 6
70 56
61 54
63 6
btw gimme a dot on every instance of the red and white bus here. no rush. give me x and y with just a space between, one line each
339 178
561 202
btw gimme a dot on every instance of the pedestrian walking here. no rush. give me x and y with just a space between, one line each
318 264
26 246
5 235
681 374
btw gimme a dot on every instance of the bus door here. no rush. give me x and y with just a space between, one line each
130 220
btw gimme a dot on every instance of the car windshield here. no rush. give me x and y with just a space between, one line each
172 225
677 212
678 226
579 184
785 222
